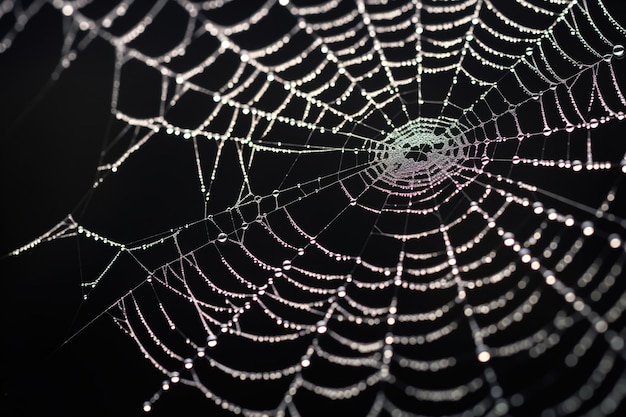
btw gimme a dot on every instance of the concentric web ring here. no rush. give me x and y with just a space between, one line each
401 208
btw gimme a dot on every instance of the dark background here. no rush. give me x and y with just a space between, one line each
51 136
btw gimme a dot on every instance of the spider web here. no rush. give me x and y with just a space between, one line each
384 207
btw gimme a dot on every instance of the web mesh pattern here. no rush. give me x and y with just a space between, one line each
380 213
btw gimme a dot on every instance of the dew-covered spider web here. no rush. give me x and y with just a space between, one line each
359 207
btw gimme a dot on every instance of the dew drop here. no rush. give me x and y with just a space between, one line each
484 356
286 265
321 327
577 165
509 239
547 131
341 291
618 51
615 241
222 237
67 10
587 228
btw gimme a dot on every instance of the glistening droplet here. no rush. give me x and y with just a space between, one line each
286 264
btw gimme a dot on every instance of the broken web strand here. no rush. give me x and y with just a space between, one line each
247 57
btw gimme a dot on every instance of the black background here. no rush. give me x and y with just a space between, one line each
51 135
